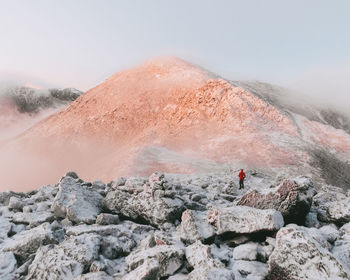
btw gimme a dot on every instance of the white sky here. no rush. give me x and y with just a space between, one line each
79 43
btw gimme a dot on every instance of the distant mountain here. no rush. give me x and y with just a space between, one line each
30 100
22 107
169 115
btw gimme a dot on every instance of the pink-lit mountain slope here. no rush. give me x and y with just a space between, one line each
172 116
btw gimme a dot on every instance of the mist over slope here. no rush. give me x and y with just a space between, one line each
169 115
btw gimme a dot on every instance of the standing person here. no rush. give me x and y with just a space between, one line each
241 176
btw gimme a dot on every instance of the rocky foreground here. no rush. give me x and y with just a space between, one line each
176 227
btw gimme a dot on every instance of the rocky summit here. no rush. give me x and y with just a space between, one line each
176 227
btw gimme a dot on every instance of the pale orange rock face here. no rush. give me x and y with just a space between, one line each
163 115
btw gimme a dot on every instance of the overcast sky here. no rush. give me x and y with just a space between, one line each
79 43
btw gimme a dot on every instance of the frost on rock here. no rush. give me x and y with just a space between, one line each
5 227
205 266
195 226
162 260
8 266
76 202
244 219
67 260
155 204
28 242
293 198
298 255
332 206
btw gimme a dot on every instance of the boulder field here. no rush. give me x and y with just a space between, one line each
176 227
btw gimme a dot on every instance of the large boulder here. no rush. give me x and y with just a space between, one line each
333 206
245 220
33 218
298 255
8 266
195 226
27 242
76 202
162 261
341 249
5 227
66 260
205 266
293 198
155 204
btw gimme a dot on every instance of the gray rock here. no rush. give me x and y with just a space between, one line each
16 203
341 249
195 226
211 274
149 269
5 197
66 260
77 203
205 266
156 211
163 260
250 270
332 207
293 198
243 219
5 227
100 275
33 219
298 255
8 266
107 219
27 242
246 252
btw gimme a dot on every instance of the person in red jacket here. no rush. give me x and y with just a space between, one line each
241 176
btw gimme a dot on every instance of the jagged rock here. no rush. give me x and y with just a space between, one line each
299 256
126 229
27 242
199 256
113 247
293 198
195 226
205 266
16 203
17 228
33 219
107 219
45 193
5 227
8 266
100 275
265 250
244 219
148 270
66 260
332 206
246 252
66 223
5 197
341 249
330 232
97 266
162 260
156 211
211 274
250 270
77 203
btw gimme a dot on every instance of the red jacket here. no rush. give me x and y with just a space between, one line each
241 175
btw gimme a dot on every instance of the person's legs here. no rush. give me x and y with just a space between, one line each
241 184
